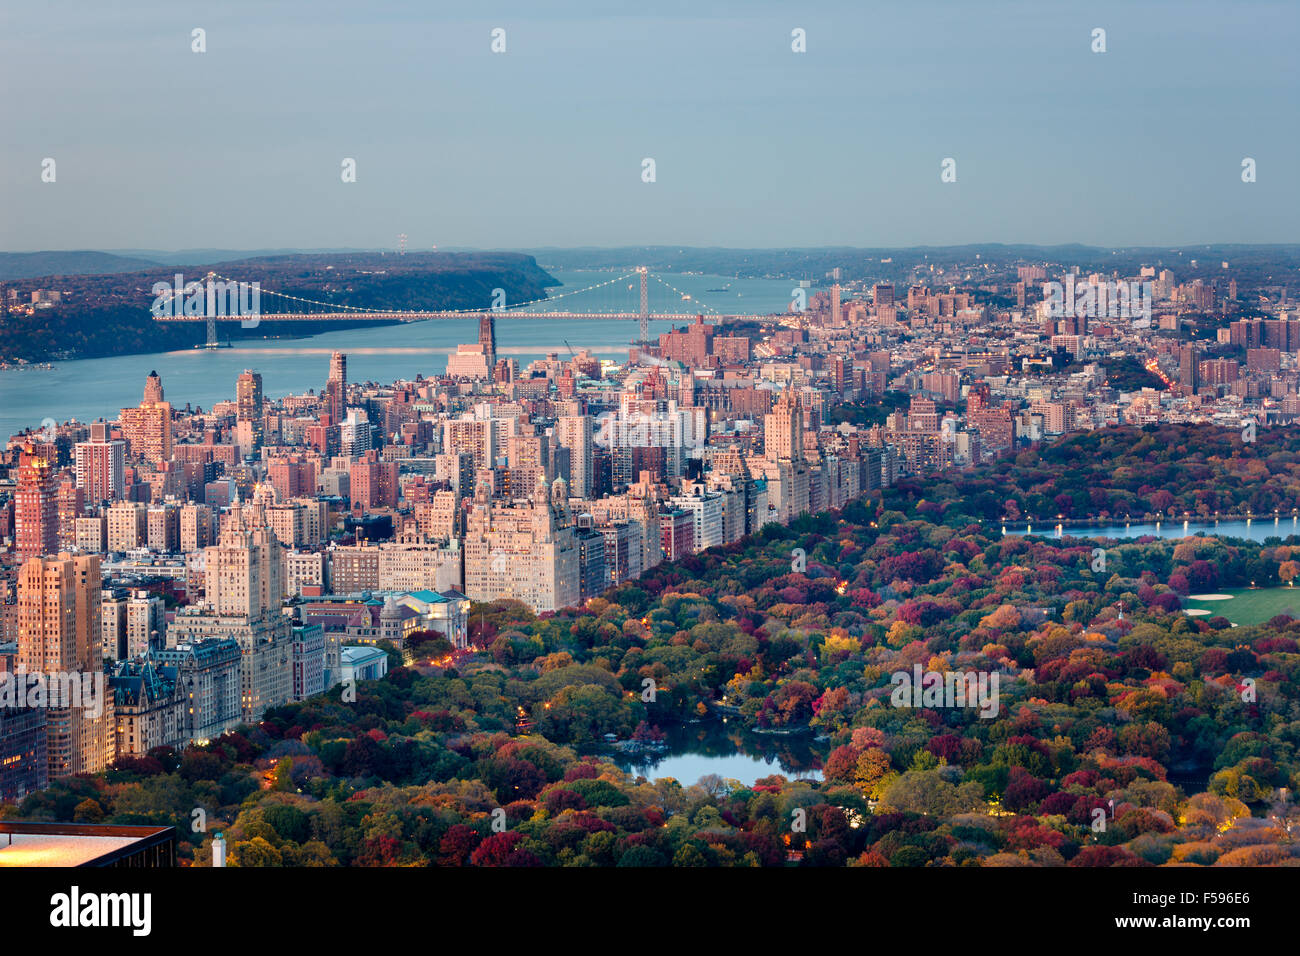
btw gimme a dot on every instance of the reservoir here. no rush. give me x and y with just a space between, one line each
1256 529
726 750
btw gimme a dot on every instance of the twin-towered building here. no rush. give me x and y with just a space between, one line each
524 549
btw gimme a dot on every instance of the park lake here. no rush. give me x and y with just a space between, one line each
720 747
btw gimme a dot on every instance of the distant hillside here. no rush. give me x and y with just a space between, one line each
187 256
897 264
31 265
109 314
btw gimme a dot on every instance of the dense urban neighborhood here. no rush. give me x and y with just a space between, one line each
909 544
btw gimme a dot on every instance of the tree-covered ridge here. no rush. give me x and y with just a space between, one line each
1126 732
110 314
1111 473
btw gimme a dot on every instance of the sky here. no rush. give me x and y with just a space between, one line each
754 145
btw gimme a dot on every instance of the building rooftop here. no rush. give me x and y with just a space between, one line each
360 655
84 844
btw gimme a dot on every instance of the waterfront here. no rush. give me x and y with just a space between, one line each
87 389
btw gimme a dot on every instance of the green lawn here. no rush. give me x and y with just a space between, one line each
1252 605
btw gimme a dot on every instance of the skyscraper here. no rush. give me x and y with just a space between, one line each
487 337
373 483
338 367
783 429
153 390
248 408
128 525
1188 372
195 527
101 465
71 503
36 506
59 634
244 583
243 569
336 388
248 396
523 551
148 427
574 432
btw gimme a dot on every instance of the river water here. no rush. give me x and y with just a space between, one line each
91 388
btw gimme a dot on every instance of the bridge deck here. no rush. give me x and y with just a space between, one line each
423 316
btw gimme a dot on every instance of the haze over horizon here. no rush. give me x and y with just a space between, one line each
158 147
127 251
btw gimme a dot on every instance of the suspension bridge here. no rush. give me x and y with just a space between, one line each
223 299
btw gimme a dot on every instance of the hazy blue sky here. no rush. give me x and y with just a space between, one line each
159 147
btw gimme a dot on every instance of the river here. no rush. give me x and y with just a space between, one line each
87 389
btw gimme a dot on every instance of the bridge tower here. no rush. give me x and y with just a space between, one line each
212 342
643 316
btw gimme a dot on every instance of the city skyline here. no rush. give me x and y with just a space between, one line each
700 434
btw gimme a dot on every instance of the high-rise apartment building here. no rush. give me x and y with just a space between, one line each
248 405
527 552
24 759
59 641
71 503
1188 368
92 537
373 483
128 525
133 623
36 506
243 569
487 338
336 388
243 586
476 436
575 432
101 465
783 428
292 477
195 527
163 528
148 427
